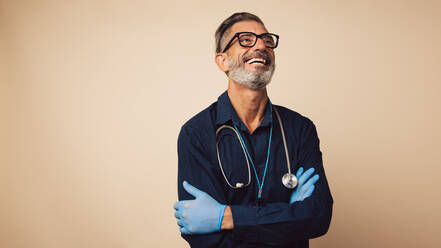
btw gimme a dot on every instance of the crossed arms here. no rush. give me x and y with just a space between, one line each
203 219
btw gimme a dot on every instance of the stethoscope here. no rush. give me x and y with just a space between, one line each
289 180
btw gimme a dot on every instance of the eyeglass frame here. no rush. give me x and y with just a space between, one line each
257 37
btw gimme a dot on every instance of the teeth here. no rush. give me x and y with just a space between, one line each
256 60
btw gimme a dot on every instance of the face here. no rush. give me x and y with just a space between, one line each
254 66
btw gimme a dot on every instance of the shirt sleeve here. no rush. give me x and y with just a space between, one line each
195 167
282 223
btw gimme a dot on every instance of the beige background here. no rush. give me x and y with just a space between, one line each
93 94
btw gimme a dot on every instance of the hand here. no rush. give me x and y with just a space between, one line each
305 187
201 215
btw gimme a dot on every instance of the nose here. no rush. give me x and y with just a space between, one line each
260 44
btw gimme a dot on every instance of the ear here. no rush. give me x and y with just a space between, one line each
221 60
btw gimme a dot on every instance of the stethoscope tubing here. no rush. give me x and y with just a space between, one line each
284 140
240 185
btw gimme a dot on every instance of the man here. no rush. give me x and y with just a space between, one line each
224 202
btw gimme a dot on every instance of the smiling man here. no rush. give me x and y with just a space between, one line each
235 184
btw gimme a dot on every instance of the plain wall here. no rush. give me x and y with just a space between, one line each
93 95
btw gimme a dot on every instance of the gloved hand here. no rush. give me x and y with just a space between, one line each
201 215
304 187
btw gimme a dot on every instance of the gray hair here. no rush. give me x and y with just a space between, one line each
223 30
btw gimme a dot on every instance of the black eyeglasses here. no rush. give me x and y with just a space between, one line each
249 39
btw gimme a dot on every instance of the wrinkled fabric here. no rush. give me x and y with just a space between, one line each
270 221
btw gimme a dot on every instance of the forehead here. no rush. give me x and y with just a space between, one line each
248 26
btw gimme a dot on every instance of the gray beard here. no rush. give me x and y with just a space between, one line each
252 80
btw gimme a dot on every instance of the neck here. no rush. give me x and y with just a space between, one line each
249 104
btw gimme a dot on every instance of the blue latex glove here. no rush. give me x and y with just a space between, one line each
201 215
305 187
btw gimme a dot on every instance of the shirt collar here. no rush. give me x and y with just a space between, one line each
226 112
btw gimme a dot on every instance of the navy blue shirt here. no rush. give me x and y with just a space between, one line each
270 221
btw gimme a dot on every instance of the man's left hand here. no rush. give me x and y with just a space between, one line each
305 185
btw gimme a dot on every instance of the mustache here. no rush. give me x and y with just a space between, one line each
263 54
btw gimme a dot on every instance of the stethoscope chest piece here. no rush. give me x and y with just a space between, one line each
289 180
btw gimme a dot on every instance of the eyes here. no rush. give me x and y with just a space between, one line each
246 40
250 39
